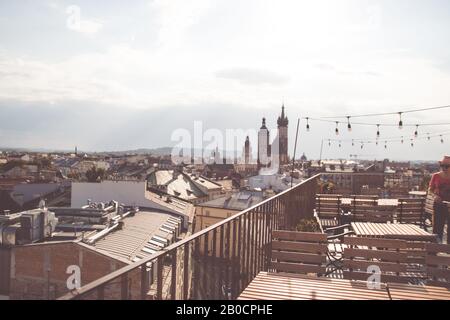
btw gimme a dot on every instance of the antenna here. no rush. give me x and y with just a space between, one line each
295 150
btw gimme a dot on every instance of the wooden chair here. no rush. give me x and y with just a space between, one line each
399 192
328 209
299 252
411 211
429 207
387 254
366 209
437 264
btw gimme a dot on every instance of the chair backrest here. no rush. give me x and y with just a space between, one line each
366 209
429 204
388 255
411 211
437 264
399 192
299 252
328 205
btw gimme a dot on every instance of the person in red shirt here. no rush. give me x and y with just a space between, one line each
440 188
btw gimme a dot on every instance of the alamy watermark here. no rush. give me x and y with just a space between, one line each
225 147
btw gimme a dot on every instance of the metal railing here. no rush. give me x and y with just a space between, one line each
215 263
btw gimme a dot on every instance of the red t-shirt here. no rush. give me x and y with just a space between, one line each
440 186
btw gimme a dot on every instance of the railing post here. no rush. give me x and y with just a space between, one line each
144 282
240 253
228 257
186 272
101 293
214 264
124 286
233 263
205 267
221 260
159 280
173 283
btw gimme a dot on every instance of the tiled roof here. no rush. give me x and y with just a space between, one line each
134 241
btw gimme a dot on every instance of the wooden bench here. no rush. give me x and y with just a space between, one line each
299 252
437 264
411 211
387 254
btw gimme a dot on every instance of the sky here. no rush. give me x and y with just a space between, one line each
115 75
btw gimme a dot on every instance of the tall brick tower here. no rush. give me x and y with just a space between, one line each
283 137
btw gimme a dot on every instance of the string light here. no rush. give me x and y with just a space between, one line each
400 123
385 144
362 142
416 133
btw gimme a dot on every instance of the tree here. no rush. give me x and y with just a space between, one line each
95 174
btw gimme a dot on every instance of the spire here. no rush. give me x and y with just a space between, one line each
263 123
282 120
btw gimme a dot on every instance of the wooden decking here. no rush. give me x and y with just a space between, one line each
282 286
269 286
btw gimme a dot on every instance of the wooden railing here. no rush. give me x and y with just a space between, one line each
215 263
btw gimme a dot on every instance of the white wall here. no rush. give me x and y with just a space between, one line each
127 192
130 193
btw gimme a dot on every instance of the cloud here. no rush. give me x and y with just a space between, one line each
327 67
90 26
252 76
174 17
76 22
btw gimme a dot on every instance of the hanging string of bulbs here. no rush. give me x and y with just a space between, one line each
400 139
400 123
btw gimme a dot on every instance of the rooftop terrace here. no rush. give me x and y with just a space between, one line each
221 261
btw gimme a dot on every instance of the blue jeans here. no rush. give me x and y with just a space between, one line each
440 218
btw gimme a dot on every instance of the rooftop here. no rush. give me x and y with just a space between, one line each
132 240
236 201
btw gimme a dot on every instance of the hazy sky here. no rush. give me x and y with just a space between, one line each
114 75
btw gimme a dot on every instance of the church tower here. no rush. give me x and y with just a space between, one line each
283 137
263 145
247 150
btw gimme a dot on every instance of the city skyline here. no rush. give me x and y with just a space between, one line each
125 77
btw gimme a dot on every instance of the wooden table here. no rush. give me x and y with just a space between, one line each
409 232
283 286
399 291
